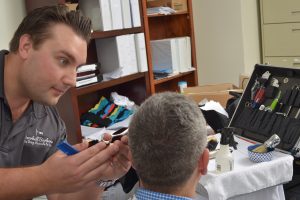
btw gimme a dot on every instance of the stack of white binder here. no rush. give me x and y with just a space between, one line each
87 74
172 54
122 55
111 14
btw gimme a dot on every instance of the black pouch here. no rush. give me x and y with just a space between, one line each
243 119
253 120
277 125
259 119
267 123
284 128
292 132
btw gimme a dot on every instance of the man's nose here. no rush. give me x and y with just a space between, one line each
70 78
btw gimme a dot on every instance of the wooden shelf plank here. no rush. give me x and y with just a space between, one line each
112 33
106 84
163 80
162 15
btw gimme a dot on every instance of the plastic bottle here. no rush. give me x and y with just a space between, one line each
224 157
182 85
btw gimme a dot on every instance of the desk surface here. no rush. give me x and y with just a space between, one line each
247 176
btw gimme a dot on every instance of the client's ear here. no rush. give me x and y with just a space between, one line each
203 162
130 158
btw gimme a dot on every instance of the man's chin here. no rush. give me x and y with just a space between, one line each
49 102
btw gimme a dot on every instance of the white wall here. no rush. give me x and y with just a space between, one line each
11 14
227 39
251 35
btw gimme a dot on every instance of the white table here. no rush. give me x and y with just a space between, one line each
248 180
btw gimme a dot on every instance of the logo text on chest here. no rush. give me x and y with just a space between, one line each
38 139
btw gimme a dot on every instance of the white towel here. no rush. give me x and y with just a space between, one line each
247 176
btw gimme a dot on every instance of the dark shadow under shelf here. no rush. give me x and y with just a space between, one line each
106 84
163 80
162 15
112 33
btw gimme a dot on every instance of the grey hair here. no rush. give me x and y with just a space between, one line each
167 135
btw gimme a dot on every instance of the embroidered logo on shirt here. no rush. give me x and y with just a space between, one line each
37 132
38 139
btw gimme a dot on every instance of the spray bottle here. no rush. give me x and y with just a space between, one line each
224 157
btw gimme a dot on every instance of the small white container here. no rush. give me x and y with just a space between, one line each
224 159
181 86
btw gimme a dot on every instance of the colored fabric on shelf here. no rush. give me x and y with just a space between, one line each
99 106
104 114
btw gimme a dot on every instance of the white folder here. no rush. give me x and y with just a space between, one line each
165 55
135 13
116 14
189 53
86 68
126 12
87 81
182 49
141 53
127 54
117 54
99 13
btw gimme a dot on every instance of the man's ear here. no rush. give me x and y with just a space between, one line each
130 157
25 45
203 162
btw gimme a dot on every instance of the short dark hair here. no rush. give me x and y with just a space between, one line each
167 135
38 25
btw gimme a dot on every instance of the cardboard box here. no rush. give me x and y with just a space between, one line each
71 6
217 92
178 5
243 81
156 3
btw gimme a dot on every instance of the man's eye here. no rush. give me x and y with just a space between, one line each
63 61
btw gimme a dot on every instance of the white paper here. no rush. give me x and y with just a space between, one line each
216 106
88 131
121 124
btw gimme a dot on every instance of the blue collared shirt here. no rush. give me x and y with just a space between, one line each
143 194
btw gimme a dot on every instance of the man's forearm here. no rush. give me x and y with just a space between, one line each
21 183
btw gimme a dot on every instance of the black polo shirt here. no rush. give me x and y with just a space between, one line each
33 137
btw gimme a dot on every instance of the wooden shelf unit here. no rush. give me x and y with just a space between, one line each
79 100
136 87
168 26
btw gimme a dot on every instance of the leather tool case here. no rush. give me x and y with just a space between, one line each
270 105
258 116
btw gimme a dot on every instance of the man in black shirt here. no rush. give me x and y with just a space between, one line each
46 50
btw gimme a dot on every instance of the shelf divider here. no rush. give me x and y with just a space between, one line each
112 33
106 84
162 15
163 80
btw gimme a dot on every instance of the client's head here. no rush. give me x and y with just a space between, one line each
167 138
